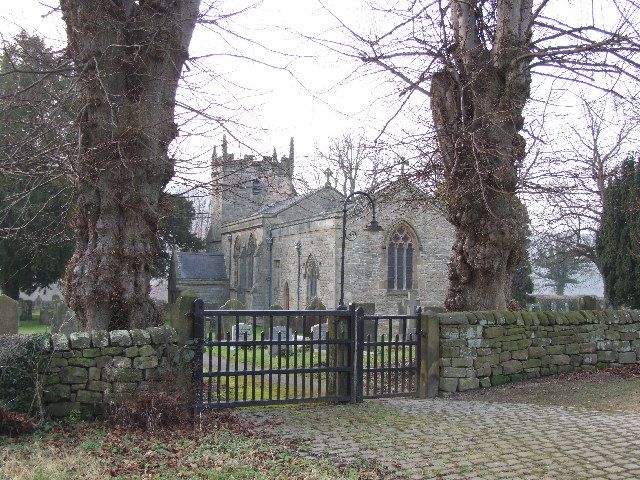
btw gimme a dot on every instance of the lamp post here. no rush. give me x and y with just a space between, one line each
373 226
298 251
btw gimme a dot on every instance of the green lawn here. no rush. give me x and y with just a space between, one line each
219 447
33 326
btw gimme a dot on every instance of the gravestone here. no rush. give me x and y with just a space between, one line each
45 317
242 332
410 305
314 304
319 332
37 304
279 332
411 334
64 320
26 310
229 321
9 315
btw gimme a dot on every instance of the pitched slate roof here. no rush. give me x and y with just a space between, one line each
205 266
275 208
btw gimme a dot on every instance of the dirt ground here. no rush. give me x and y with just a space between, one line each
613 389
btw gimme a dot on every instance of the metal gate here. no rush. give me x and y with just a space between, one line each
253 357
388 355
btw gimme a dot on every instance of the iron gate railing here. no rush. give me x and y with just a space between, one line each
252 357
388 355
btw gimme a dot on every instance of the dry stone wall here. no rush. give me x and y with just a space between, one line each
481 349
86 371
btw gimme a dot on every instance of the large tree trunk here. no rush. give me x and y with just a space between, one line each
477 106
128 56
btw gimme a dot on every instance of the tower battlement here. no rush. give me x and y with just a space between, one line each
241 186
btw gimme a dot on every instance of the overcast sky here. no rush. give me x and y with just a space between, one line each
309 92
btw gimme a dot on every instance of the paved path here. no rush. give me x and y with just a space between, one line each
455 439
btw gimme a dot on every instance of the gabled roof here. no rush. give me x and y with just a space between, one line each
275 208
200 266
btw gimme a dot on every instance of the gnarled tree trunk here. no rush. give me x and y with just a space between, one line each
128 56
477 105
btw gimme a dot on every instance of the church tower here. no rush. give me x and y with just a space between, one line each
240 187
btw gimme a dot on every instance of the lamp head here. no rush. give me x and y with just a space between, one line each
374 226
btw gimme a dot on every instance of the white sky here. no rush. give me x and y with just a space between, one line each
320 95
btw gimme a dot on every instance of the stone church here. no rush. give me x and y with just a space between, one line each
268 245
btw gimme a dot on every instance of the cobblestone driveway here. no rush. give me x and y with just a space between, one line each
455 439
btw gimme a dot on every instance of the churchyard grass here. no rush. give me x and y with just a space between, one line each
223 449
252 390
33 326
264 360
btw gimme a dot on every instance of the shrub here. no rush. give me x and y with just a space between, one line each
20 361
167 403
15 423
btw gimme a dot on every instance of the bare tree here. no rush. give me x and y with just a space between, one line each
574 197
349 162
473 60
128 57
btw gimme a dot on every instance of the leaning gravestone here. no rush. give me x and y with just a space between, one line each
9 315
64 320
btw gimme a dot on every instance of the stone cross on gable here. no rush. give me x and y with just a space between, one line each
410 304
328 173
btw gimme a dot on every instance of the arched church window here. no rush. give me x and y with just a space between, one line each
236 263
400 251
311 274
250 252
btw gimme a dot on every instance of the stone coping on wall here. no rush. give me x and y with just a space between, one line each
85 371
481 349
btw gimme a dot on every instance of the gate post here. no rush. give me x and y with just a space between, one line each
197 315
358 361
429 356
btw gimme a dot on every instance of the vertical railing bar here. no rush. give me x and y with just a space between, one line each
210 352
396 373
219 337
235 369
279 363
412 374
244 387
287 363
270 357
418 351
375 360
382 375
404 348
389 365
304 355
368 364
254 338
295 364
262 366
228 365
311 366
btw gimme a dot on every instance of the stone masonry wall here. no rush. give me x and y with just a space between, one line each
481 349
85 371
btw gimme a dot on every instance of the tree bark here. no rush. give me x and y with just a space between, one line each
128 56
477 105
